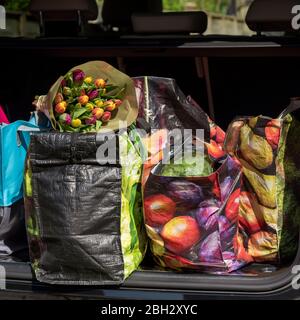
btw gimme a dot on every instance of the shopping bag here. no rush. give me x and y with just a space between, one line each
83 216
164 107
14 140
12 229
190 210
269 215
192 217
3 118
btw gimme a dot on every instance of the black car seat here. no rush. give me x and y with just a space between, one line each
117 13
271 15
63 17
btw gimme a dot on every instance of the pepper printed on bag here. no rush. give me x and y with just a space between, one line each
259 144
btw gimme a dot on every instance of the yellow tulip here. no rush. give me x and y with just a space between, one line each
88 80
76 123
89 106
99 103
100 83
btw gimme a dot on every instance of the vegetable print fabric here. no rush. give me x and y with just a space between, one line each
191 217
269 216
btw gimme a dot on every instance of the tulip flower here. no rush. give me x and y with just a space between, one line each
89 106
99 103
61 107
63 83
91 120
78 76
58 98
118 102
93 94
98 112
65 118
67 91
83 100
100 83
88 80
76 123
110 106
106 116
108 102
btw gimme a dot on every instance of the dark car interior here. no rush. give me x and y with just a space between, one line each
227 75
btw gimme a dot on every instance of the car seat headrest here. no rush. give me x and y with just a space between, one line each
271 15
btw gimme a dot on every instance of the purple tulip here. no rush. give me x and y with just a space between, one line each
78 76
63 83
93 94
91 120
65 118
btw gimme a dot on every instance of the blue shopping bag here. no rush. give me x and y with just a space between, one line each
14 141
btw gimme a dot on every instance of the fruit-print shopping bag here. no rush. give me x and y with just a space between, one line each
192 221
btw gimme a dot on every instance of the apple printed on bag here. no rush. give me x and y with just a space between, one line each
180 234
159 209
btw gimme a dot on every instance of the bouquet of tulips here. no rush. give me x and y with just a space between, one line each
90 97
84 104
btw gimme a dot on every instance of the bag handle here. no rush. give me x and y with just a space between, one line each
24 128
293 106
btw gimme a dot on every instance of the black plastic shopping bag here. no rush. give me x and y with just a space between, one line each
84 218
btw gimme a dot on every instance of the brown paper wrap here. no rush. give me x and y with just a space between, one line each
127 112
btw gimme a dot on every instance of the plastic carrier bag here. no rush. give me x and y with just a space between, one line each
268 150
14 141
191 211
193 220
3 117
84 217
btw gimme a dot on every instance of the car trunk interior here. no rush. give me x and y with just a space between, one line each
229 85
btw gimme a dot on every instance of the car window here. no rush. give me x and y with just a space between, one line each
224 16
